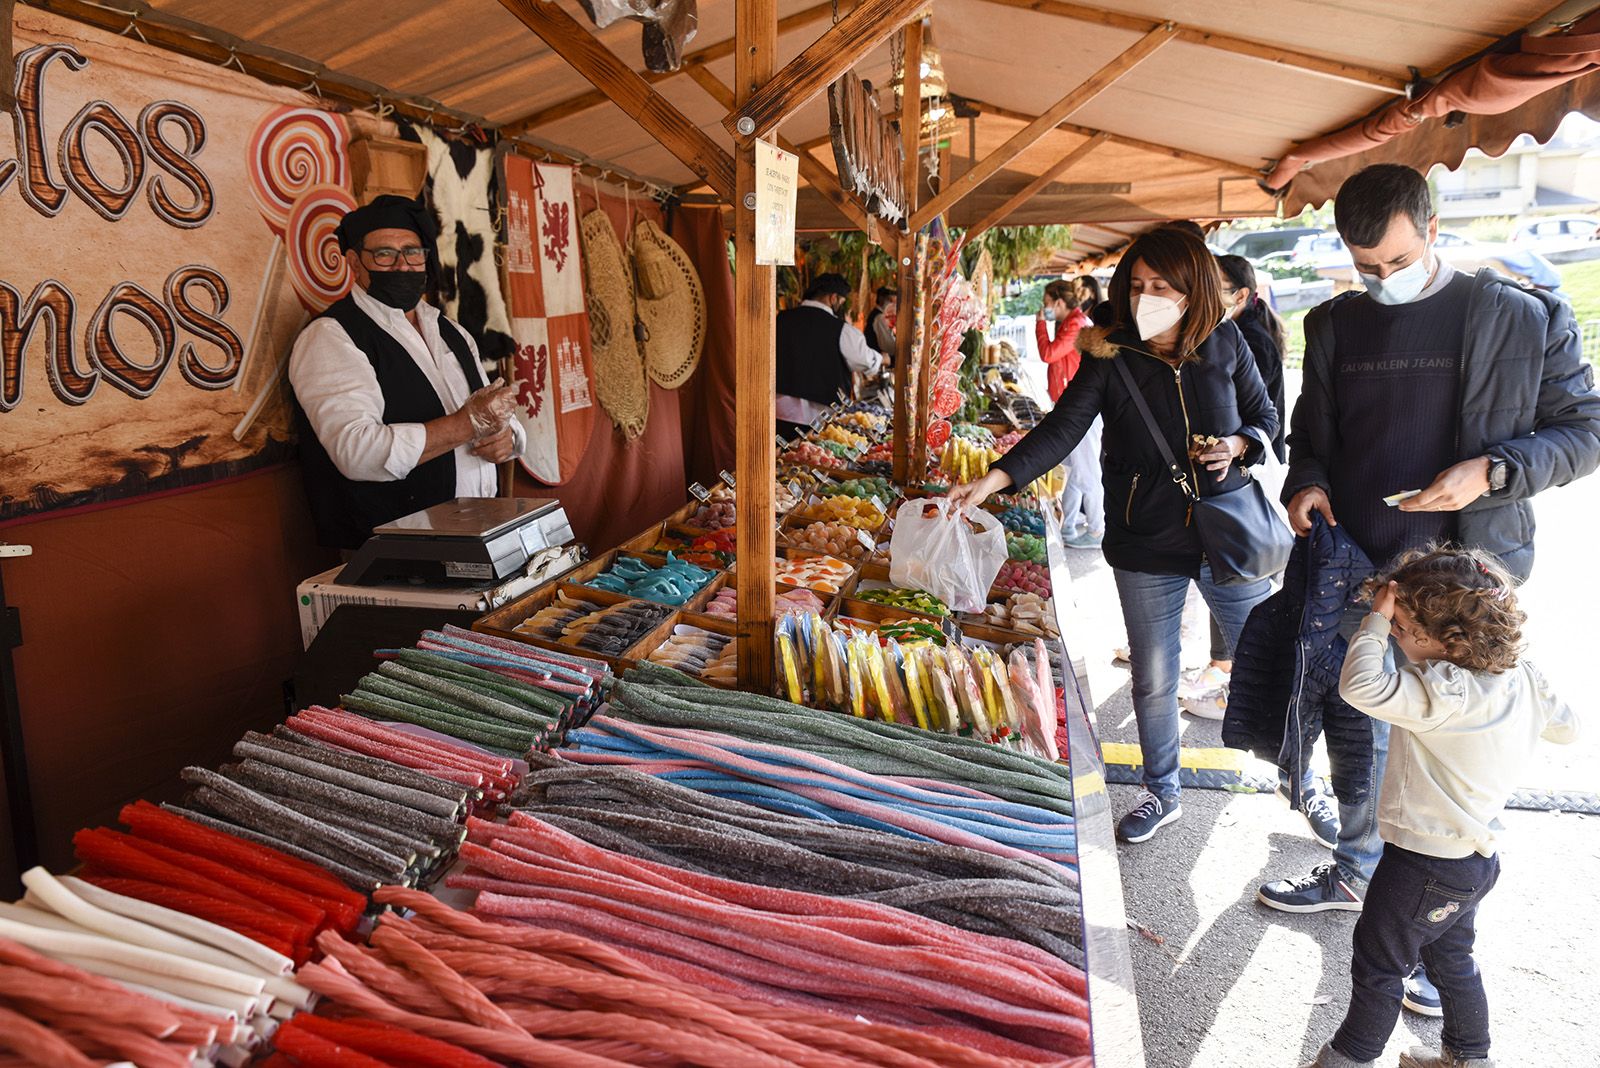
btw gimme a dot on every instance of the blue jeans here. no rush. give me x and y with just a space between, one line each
1152 609
1419 906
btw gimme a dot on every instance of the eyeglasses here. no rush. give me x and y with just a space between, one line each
415 255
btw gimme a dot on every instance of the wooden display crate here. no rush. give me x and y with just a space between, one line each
502 621
874 572
796 523
713 624
694 603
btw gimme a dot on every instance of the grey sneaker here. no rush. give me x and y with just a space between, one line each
1423 1057
1328 1057
1148 816
1084 540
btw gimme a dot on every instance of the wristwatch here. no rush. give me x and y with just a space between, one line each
1497 475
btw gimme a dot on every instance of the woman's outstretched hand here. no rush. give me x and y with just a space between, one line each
971 494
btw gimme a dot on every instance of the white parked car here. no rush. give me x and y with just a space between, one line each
1560 237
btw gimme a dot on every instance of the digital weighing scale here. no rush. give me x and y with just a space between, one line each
470 540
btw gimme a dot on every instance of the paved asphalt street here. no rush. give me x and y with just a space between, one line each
1236 985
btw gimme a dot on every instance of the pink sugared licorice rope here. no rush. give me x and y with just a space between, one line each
918 959
530 839
526 830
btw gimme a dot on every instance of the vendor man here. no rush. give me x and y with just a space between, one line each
398 412
817 350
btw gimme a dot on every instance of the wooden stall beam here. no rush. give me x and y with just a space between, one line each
1032 189
577 105
1093 86
906 255
1226 165
755 366
812 170
839 48
676 133
1306 62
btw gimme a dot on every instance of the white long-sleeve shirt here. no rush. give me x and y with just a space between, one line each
335 384
858 356
1463 746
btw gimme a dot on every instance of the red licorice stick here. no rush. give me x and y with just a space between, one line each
393 1045
119 854
261 891
156 824
274 932
310 1050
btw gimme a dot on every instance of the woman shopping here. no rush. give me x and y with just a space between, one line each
1083 501
1194 373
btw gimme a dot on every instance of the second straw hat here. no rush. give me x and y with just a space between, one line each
671 305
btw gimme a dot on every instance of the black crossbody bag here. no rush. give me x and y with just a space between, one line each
1243 538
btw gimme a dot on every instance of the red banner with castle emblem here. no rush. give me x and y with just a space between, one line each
552 368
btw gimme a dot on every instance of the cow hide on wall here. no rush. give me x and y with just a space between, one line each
462 190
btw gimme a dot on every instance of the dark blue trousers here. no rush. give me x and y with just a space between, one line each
1418 906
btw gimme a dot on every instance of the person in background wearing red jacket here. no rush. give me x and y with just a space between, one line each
1060 354
1083 500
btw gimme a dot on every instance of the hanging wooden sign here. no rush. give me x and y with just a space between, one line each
866 148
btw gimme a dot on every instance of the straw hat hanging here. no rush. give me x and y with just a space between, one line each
619 380
671 304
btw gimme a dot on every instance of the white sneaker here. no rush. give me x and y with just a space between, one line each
1213 705
1203 681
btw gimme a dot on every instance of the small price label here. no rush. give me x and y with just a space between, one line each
794 487
844 398
783 442
876 503
727 478
699 493
866 540
819 420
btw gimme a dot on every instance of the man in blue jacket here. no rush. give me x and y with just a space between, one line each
1469 393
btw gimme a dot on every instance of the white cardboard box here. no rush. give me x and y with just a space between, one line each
319 595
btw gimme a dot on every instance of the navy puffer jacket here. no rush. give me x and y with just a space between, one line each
1285 686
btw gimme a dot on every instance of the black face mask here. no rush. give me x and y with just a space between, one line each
401 290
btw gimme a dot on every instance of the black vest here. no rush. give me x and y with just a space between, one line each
346 511
810 363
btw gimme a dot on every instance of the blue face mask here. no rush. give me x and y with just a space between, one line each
1049 315
1401 287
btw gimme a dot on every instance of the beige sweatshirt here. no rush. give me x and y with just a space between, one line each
1464 742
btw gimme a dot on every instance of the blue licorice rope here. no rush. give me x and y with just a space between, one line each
1020 814
1004 832
998 826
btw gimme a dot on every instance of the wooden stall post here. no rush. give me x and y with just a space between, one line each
755 368
906 253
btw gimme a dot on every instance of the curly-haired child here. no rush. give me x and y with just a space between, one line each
1467 713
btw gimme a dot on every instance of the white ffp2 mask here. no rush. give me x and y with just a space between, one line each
1154 315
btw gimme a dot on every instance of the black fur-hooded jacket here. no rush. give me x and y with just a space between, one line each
1215 391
